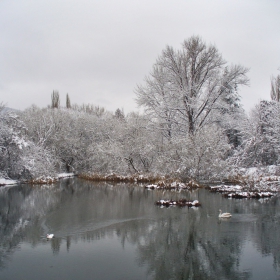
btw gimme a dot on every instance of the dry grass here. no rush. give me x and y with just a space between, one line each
42 180
120 178
161 182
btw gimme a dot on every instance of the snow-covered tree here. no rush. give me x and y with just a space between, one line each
20 158
12 143
55 99
275 88
189 86
38 161
119 114
68 102
58 132
90 109
260 137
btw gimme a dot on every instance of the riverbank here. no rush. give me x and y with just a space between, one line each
39 180
4 182
251 180
133 178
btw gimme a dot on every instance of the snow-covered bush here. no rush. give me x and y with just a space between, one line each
260 137
38 161
20 158
203 155
11 145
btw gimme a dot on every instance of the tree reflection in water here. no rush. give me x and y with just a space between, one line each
172 243
181 250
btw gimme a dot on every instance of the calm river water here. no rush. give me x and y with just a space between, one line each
105 231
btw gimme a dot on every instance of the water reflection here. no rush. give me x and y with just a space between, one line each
160 243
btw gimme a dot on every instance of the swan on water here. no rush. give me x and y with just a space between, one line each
224 215
50 236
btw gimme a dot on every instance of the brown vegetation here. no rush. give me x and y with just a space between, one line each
159 182
121 178
42 180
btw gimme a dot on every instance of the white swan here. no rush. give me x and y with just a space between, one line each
50 236
224 215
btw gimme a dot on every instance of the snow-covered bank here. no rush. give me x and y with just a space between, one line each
4 182
134 178
269 173
174 185
65 175
39 180
254 179
251 183
49 179
243 192
180 203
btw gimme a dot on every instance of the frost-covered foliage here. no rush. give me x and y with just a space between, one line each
70 140
193 126
260 137
12 144
124 146
75 140
205 154
65 133
19 157
275 88
38 161
46 141
190 88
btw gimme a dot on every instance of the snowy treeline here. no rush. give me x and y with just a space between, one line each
192 126
20 157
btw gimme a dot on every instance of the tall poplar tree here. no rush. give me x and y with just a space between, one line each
68 103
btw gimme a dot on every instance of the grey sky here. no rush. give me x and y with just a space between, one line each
98 51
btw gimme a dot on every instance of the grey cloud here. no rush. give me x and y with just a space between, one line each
98 51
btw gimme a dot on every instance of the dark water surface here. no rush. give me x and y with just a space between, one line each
105 231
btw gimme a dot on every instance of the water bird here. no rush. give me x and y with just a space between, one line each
50 236
224 215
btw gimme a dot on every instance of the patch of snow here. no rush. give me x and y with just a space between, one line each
272 169
4 182
65 175
20 142
151 186
224 188
181 203
195 202
252 171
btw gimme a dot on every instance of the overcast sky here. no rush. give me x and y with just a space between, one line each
97 51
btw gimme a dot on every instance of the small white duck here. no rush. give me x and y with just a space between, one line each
50 236
224 215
